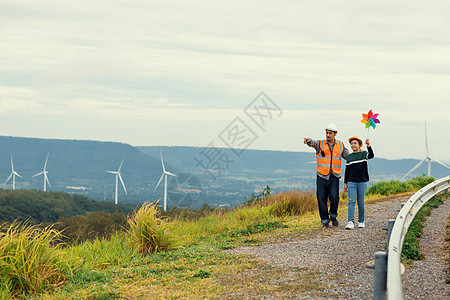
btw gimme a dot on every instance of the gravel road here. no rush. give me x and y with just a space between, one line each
344 257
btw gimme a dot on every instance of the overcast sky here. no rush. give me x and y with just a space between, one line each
180 73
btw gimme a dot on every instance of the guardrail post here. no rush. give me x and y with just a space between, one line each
391 223
380 275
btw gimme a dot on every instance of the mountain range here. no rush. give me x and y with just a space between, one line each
217 176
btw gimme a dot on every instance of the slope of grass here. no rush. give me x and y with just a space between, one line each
117 267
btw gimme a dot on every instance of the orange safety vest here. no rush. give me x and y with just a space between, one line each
333 159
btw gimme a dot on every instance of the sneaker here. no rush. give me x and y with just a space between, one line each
361 225
335 222
325 225
350 225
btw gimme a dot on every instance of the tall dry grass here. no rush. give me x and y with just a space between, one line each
150 233
294 202
29 260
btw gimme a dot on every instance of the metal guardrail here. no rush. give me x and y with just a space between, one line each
401 225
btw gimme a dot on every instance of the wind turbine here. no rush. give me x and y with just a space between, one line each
118 176
428 158
164 174
44 172
13 174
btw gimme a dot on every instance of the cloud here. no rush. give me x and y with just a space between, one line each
200 62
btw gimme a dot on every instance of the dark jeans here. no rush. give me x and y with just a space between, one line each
328 189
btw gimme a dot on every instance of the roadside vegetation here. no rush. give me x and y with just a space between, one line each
410 250
447 247
177 254
393 187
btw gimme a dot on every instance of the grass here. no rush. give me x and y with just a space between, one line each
447 247
149 233
410 250
195 267
182 257
29 261
394 187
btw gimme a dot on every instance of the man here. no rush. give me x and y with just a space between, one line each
329 153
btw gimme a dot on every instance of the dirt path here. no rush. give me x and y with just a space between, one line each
343 258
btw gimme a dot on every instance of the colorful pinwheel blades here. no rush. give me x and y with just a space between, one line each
370 119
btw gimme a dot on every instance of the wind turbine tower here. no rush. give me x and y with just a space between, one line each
118 176
13 175
427 158
44 172
164 174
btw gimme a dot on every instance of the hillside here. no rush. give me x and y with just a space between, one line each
79 166
76 166
197 255
38 207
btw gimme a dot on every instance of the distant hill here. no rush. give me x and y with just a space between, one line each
38 207
257 161
281 170
77 166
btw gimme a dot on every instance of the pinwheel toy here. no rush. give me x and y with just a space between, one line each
370 120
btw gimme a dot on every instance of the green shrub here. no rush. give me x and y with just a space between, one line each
92 226
258 198
393 187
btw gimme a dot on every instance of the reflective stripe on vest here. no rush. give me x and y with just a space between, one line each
330 159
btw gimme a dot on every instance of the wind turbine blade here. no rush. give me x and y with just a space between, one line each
171 174
415 167
18 174
112 172
162 176
8 178
45 165
38 174
46 178
426 138
120 167
123 184
441 163
12 164
162 161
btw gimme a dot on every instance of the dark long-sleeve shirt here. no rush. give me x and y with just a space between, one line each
356 169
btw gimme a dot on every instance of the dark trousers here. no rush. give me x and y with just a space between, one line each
328 189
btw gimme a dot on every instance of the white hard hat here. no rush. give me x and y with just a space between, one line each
331 127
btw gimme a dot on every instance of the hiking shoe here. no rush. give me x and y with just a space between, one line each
361 225
335 222
350 225
325 225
